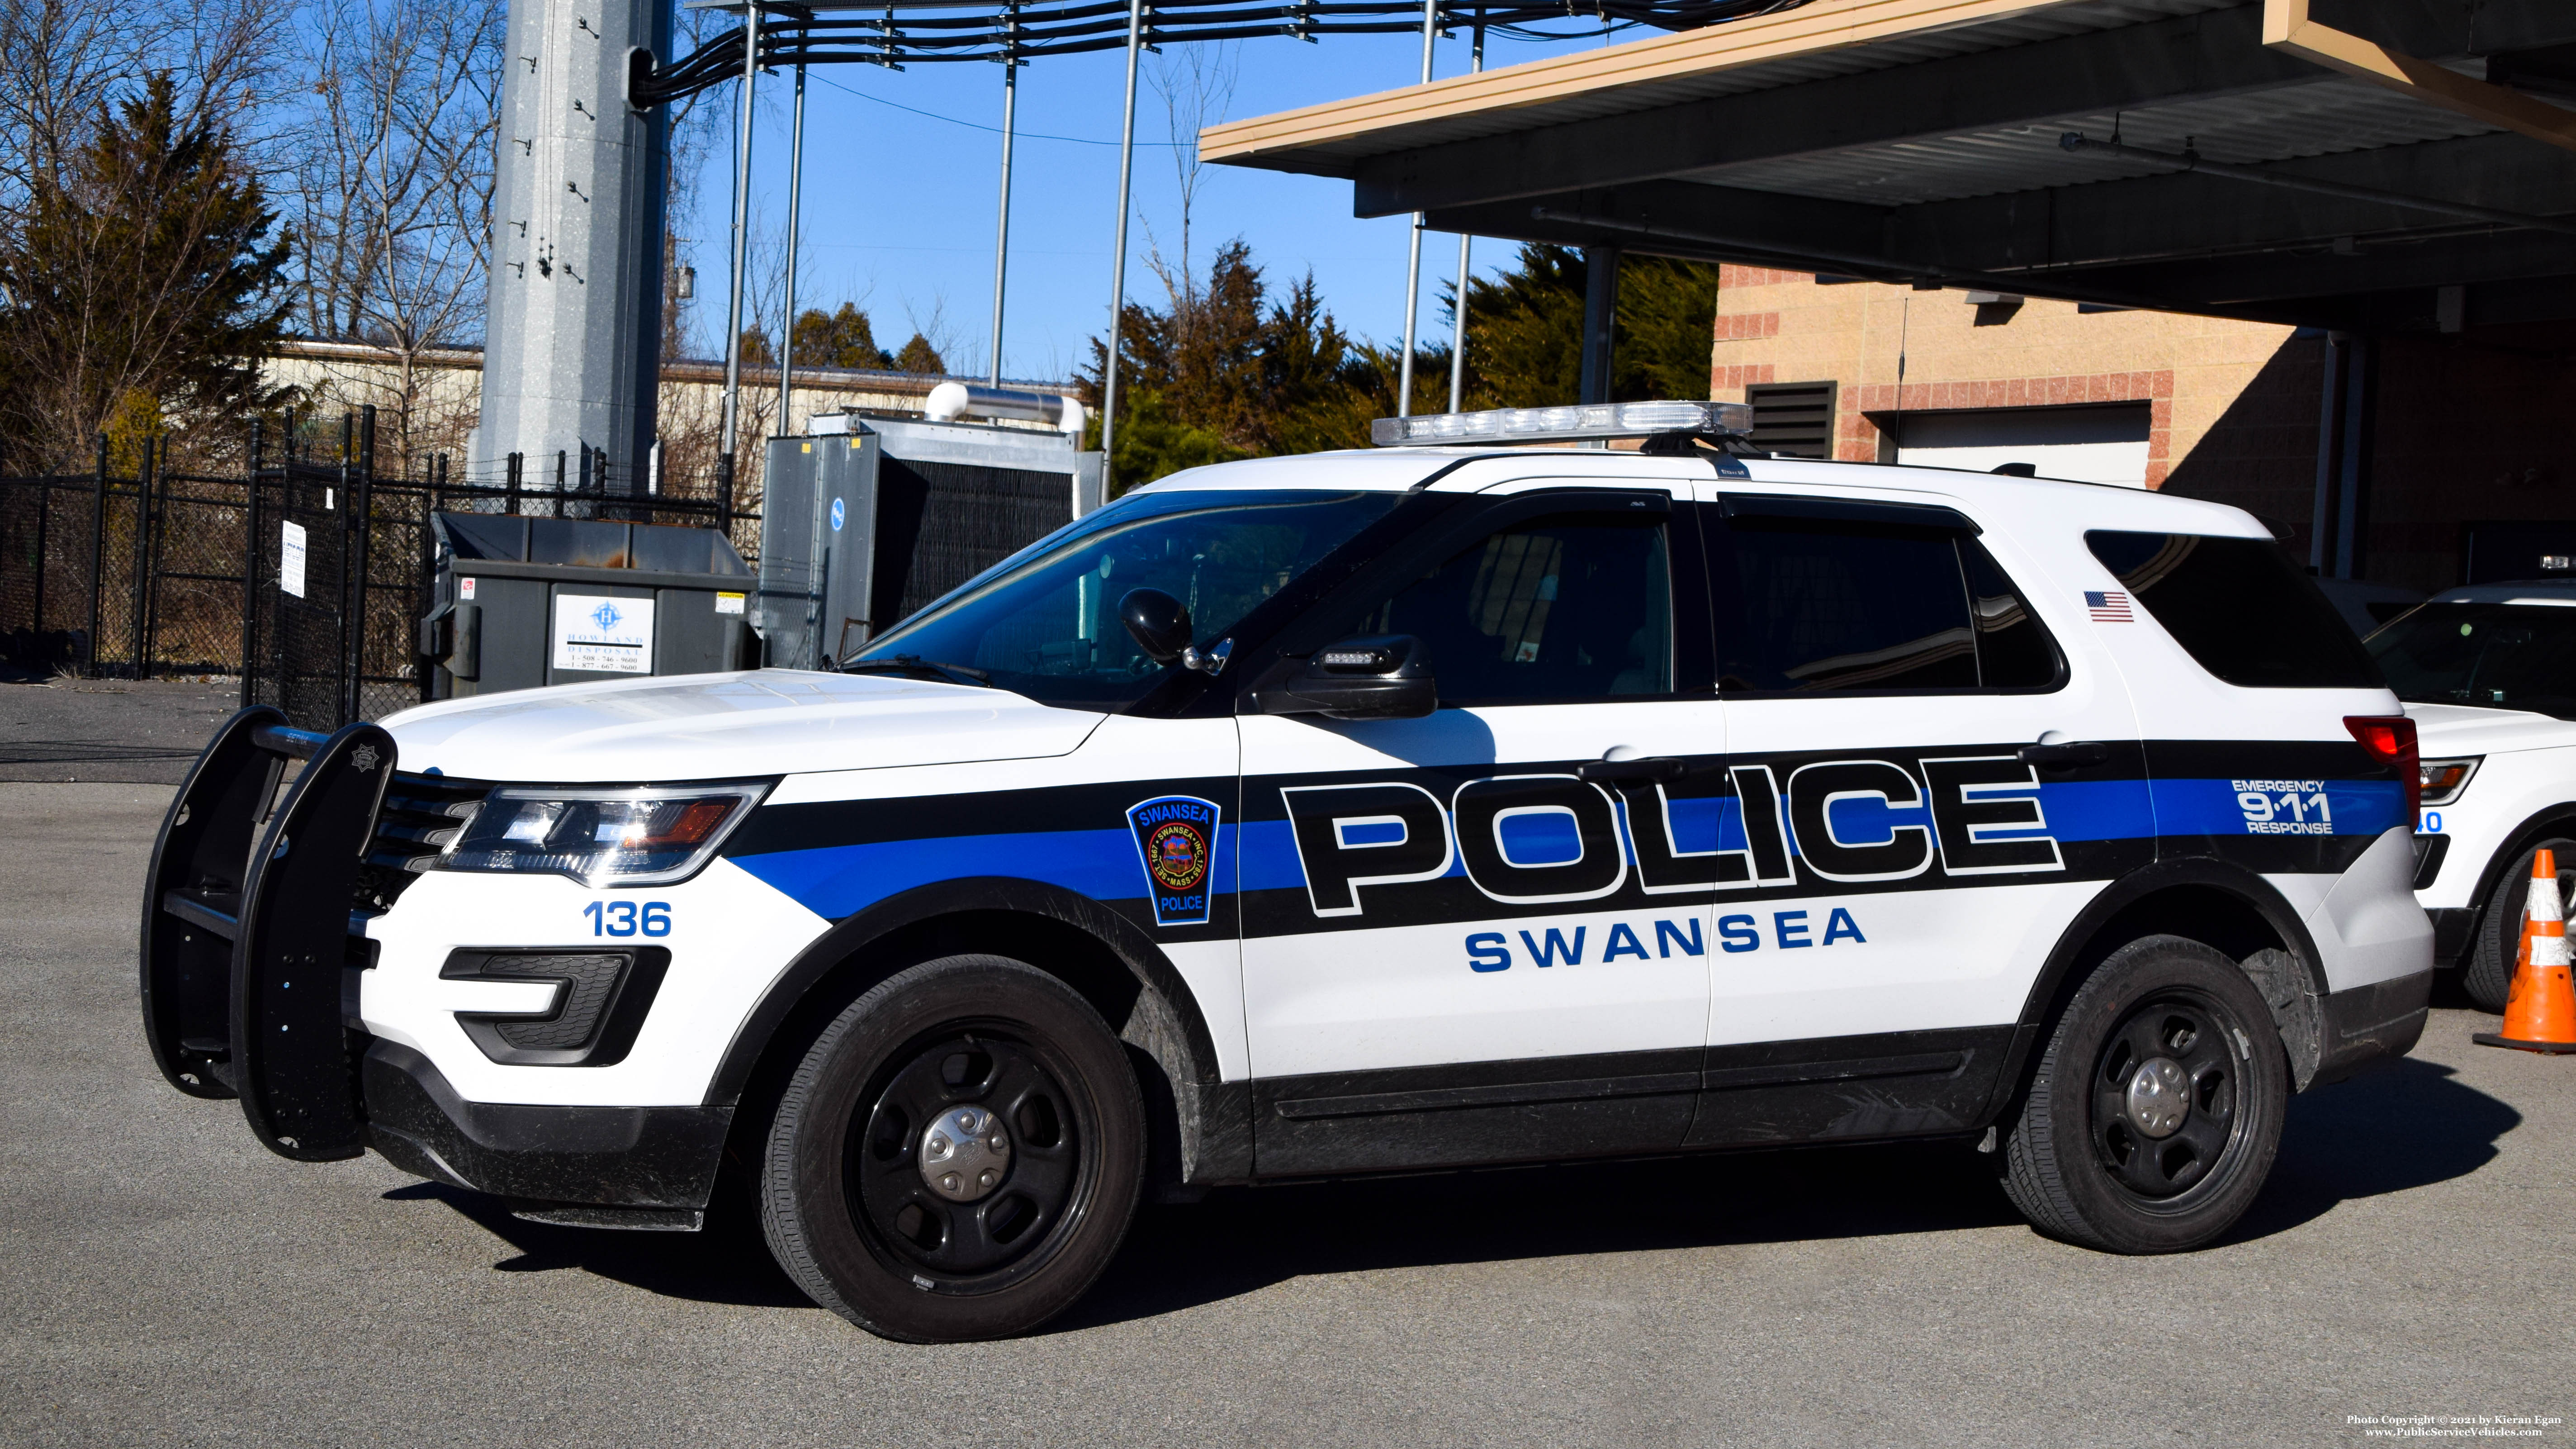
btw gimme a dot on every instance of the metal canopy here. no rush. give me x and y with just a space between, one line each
1925 140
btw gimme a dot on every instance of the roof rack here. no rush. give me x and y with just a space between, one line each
1549 425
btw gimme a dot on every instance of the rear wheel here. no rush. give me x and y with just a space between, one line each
2488 974
958 1156
2156 1110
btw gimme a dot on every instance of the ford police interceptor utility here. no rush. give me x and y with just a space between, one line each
1352 813
2488 674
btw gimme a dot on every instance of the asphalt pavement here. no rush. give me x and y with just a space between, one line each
164 1280
130 731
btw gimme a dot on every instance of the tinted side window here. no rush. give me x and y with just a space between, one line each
1821 607
1828 606
2240 608
1558 609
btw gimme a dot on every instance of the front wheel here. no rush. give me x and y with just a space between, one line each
958 1156
2487 975
2156 1110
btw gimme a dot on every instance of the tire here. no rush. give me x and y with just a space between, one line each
927 1235
2094 1163
2488 973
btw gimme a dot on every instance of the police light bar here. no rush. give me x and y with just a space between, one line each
1541 425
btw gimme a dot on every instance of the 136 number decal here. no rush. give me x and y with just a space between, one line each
629 918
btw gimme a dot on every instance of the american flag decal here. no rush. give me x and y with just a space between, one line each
2107 607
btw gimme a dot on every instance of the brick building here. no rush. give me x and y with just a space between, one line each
2214 408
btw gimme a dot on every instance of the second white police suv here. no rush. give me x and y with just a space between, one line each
1423 808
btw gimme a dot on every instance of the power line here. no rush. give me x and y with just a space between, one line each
976 125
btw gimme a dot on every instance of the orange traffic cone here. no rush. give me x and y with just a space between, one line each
2540 1010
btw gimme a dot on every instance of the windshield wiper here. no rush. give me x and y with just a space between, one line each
915 664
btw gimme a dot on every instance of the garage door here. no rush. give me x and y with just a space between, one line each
2089 444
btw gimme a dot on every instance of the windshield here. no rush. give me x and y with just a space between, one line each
2503 656
1045 622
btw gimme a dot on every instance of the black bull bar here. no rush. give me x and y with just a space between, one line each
249 936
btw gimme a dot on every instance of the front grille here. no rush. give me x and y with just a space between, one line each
422 814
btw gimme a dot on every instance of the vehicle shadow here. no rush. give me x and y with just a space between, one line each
2402 1127
2406 1125
727 1263
1241 1240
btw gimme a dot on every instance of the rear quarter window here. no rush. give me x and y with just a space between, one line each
2240 608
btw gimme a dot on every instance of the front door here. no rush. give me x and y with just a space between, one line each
1456 947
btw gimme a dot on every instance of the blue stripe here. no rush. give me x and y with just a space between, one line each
838 881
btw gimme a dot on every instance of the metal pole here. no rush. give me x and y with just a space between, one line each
250 567
97 555
733 285
44 520
2336 357
795 185
362 506
1413 254
140 592
1002 231
340 499
1118 263
1458 314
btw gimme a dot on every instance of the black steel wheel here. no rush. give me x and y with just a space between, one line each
2487 974
2156 1109
958 1156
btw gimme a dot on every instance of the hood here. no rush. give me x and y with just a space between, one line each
714 726
2443 730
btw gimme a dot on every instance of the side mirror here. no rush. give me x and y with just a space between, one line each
1159 623
1382 676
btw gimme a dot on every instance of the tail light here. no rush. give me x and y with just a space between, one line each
2390 739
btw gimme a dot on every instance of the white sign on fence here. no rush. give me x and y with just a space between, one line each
290 559
595 632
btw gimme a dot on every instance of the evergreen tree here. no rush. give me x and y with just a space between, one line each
918 356
841 338
151 268
1525 331
1223 372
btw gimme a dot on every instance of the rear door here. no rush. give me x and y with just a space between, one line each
1885 669
1455 949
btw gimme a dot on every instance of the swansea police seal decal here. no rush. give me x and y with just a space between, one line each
1176 842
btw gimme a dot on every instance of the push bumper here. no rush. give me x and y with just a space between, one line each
651 1158
2366 1024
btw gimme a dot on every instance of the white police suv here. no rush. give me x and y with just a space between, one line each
2488 674
1353 813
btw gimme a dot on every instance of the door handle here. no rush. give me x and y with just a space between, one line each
2067 755
1660 767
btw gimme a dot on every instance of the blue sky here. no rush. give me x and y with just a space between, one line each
899 206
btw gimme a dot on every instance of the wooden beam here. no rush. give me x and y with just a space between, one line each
1813 29
2287 28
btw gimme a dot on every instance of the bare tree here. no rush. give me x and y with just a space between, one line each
393 189
1197 84
61 59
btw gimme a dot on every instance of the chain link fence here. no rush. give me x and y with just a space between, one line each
304 577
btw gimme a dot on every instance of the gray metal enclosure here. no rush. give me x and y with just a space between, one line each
524 602
868 519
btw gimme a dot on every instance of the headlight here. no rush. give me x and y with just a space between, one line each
648 836
2445 779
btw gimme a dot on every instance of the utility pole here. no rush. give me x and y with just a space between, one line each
1458 314
1118 263
730 426
1002 230
795 187
1413 259
580 178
